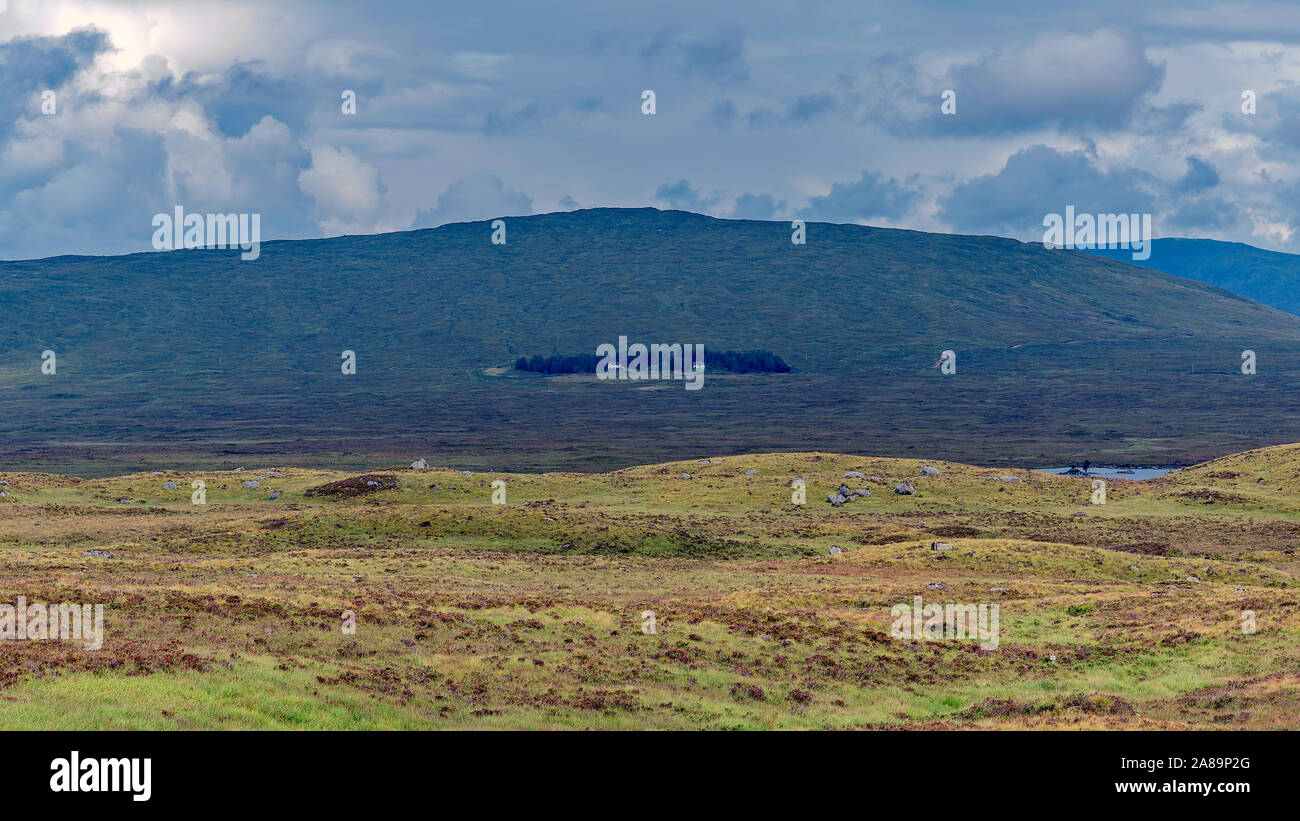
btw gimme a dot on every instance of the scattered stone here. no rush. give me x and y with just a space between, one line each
940 546
862 493
750 472
1079 515
4 481
1134 567
252 575
548 518
170 485
275 495
372 483
1240 590
1009 478
236 470
252 483
844 490
686 475
4 493
124 501
836 550
467 473
97 554
936 586
705 462
419 464
999 589
905 489
1193 579
836 500
435 487
926 470
273 474
853 474
798 480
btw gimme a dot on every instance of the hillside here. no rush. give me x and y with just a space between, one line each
1270 277
531 614
195 358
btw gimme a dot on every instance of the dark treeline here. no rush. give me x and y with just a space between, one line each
756 361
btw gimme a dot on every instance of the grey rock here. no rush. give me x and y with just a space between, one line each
372 483
686 475
940 546
853 474
836 500
905 489
999 589
1009 478
861 493
877 479
929 471
467 473
836 550
750 472
1079 515
275 495
97 554
170 485
705 462
936 586
252 483
844 491
419 464
273 474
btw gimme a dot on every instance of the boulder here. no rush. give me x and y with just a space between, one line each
844 491
686 475
853 474
169 485
274 495
926 470
940 546
836 550
1008 478
467 473
905 489
936 586
252 483
750 472
97 554
861 493
836 500
419 464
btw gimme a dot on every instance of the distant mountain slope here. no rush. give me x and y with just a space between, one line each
1270 277
195 356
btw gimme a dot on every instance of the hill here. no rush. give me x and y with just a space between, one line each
192 358
1270 277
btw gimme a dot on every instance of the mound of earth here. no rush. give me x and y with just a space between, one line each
355 486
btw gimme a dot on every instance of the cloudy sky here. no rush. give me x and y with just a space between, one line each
765 110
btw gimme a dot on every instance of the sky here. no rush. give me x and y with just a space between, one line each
828 111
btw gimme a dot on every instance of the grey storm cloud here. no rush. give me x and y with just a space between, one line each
682 196
717 56
241 96
1200 176
1063 80
756 207
477 197
31 65
1038 181
872 195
